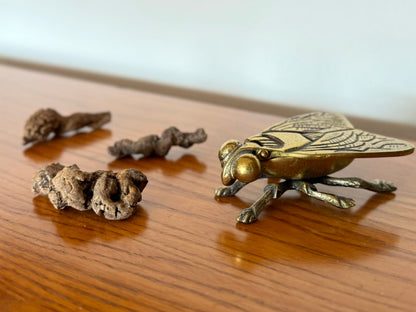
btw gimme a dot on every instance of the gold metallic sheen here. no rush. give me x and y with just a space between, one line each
303 150
247 168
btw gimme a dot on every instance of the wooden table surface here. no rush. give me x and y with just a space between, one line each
183 250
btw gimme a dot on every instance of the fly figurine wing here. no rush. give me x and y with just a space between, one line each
328 134
357 144
312 123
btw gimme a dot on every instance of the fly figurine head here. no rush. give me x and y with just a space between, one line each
242 162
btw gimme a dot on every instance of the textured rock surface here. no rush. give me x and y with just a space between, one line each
46 121
113 195
153 145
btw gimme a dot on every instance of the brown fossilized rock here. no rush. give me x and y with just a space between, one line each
46 121
153 145
114 195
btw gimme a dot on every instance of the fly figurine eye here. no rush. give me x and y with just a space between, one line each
306 149
227 149
247 168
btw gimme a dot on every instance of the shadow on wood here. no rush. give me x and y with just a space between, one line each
79 227
167 166
51 150
305 230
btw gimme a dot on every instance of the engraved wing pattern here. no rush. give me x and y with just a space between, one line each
328 134
312 123
357 143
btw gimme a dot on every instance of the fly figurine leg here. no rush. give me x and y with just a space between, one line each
379 186
225 191
271 191
311 190
275 190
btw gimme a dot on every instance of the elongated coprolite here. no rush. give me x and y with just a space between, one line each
153 145
45 122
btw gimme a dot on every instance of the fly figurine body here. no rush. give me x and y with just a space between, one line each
303 150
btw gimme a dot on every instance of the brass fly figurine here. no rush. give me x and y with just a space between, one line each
303 150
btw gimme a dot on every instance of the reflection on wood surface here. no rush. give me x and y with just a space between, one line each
182 250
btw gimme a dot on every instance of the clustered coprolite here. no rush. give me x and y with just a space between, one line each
113 195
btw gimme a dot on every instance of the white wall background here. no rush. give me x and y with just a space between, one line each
356 57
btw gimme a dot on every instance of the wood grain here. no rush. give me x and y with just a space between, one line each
183 250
